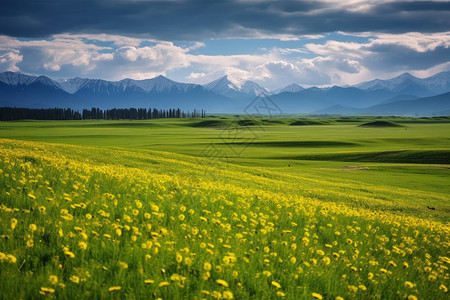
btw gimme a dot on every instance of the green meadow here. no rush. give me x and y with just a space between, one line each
226 207
413 152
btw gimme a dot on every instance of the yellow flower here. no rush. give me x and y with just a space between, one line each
114 288
164 283
206 275
392 263
276 284
267 273
32 227
227 295
75 279
326 260
317 296
409 284
123 265
149 281
179 258
69 254
280 294
222 282
12 259
30 243
13 223
82 245
47 290
181 217
412 297
207 266
443 288
339 298
53 279
119 232
293 259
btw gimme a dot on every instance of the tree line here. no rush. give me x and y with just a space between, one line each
95 113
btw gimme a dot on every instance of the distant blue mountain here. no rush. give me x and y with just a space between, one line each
427 106
42 92
229 95
408 84
438 105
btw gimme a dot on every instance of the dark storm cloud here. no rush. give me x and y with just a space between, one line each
196 20
398 57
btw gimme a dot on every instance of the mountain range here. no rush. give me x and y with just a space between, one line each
402 95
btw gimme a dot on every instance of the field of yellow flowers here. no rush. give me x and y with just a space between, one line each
90 222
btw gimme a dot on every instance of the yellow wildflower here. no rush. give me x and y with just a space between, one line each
276 284
222 282
317 296
53 279
227 295
82 245
47 290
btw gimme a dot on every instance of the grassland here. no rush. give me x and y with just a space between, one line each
290 208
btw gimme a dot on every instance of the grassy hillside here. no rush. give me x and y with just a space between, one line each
116 217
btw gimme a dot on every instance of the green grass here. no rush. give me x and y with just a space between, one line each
329 188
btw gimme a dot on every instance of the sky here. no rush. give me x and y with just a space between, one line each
274 43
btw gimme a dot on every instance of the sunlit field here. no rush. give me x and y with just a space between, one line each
146 209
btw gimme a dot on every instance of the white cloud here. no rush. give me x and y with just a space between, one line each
9 61
114 57
194 75
415 41
382 55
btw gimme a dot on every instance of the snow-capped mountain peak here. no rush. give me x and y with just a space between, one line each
11 78
390 84
72 85
252 88
231 86
162 84
292 88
